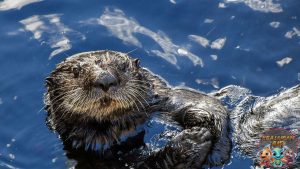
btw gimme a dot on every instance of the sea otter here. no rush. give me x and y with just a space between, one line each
99 101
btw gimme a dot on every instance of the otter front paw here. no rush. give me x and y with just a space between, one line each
193 145
188 150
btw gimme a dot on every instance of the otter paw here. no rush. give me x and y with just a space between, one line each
193 146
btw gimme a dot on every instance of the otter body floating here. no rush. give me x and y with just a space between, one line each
96 98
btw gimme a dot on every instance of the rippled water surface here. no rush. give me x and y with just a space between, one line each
203 44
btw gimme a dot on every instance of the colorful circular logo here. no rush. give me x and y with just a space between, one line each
278 148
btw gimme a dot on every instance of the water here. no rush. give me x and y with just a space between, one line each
202 44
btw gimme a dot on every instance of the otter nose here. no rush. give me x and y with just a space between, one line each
105 81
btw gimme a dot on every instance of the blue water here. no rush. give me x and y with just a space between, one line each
203 44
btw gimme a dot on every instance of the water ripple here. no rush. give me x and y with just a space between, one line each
50 30
126 28
260 5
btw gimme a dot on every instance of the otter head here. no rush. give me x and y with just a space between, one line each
100 85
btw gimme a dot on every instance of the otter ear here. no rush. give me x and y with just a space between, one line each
136 63
49 81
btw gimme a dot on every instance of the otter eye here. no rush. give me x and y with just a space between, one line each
76 71
123 66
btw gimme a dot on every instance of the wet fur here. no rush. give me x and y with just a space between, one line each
86 118
85 123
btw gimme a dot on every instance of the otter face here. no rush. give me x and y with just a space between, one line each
101 84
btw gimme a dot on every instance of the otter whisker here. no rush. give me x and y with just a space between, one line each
60 105
129 97
76 100
139 87
120 100
43 108
63 102
130 51
64 87
61 95
125 100
140 91
143 107
139 94
83 100
138 82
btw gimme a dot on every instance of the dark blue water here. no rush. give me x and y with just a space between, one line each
203 44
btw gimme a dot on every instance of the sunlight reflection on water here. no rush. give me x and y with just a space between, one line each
205 45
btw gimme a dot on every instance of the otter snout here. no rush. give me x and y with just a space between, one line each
105 81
